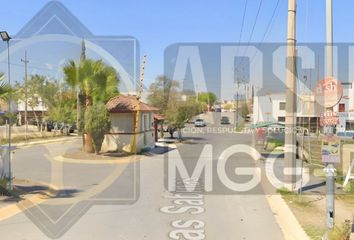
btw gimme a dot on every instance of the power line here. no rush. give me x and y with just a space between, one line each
243 22
252 31
271 20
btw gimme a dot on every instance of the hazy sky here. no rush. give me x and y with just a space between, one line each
158 24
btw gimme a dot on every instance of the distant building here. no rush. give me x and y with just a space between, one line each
38 111
345 109
270 107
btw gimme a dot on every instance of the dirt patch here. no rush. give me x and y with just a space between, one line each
309 209
79 155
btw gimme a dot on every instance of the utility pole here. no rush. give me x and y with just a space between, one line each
330 170
237 100
25 60
290 115
134 147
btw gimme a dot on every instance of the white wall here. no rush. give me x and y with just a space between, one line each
124 123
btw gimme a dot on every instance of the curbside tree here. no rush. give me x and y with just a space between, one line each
97 124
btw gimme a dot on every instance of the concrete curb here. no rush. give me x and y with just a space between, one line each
55 140
285 218
16 208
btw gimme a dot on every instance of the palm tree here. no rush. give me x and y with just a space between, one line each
97 83
4 87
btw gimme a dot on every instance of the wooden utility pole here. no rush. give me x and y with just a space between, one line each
290 115
25 60
137 107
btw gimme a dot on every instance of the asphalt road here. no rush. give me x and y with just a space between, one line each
130 201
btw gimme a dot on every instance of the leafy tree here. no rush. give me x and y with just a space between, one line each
228 106
60 102
95 81
244 110
180 113
207 97
5 89
35 85
97 124
163 92
64 110
178 106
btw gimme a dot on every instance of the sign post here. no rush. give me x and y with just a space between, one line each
329 92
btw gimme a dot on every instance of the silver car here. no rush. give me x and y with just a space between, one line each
199 123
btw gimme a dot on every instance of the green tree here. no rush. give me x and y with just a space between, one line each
97 124
5 89
177 106
34 87
163 92
244 110
207 97
180 113
59 101
95 81
64 110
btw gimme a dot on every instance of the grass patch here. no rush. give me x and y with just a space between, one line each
293 198
17 139
314 232
273 144
341 232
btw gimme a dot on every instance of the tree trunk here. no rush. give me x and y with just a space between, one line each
180 134
36 117
171 131
88 145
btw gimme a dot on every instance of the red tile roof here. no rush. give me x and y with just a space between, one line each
127 104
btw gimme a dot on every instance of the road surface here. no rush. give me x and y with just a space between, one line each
130 200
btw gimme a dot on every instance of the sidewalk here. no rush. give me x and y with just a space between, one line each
309 208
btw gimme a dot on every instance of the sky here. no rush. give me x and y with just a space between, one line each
159 24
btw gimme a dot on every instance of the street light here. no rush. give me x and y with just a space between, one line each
6 38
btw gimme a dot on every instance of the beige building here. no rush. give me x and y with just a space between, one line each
123 111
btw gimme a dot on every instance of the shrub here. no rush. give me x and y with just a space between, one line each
97 124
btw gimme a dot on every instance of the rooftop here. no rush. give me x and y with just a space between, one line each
128 104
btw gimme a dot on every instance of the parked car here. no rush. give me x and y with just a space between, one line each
49 126
199 123
225 120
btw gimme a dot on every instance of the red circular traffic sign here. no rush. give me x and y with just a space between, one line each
328 92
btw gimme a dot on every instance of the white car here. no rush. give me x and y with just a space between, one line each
199 123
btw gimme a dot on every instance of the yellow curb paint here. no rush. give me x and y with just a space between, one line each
14 209
122 160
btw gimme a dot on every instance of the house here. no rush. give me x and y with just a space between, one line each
345 108
34 113
270 107
123 112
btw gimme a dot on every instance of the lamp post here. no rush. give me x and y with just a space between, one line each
6 38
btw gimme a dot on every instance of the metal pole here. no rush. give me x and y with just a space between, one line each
329 72
26 94
236 112
290 116
9 111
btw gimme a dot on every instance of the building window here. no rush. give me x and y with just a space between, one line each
341 107
282 106
281 119
349 126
